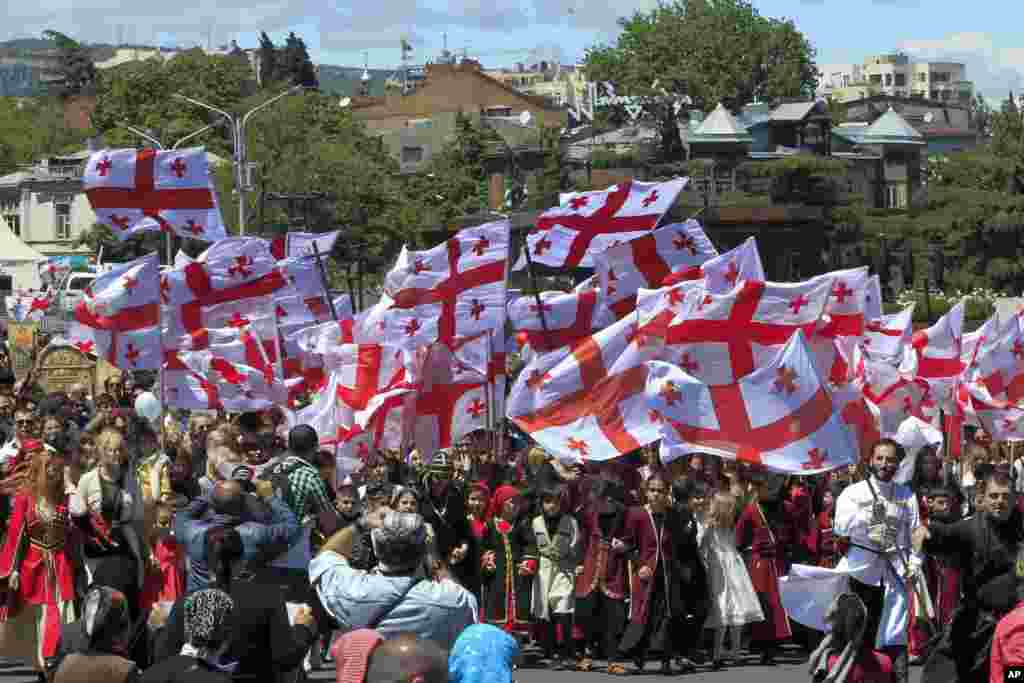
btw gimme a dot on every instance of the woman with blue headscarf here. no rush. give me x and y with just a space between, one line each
483 654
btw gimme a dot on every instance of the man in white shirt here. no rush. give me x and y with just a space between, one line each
878 517
23 424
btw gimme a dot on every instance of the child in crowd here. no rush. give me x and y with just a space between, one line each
557 537
509 562
164 582
733 600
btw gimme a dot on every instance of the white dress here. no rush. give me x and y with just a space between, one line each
733 599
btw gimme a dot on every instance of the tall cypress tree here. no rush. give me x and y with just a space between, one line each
268 60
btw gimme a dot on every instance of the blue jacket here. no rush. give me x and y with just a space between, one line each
190 529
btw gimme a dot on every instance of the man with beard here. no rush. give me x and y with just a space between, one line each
984 547
199 425
877 516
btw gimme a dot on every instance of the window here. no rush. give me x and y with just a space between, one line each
922 77
940 77
901 80
888 79
62 211
10 210
412 155
896 196
876 79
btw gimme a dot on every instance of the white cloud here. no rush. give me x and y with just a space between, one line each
995 69
343 24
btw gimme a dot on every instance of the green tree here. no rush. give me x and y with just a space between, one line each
75 73
268 60
30 128
709 50
296 64
546 185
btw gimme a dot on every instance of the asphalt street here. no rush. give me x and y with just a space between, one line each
789 669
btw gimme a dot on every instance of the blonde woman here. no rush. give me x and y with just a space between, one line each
111 497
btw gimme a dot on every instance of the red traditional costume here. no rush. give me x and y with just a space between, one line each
166 582
39 547
766 562
828 552
507 592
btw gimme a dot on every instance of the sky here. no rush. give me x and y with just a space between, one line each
503 32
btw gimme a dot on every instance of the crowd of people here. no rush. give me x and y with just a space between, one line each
142 544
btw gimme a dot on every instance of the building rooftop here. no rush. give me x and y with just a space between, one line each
721 127
793 111
892 129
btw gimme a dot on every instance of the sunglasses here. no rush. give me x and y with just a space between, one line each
24 423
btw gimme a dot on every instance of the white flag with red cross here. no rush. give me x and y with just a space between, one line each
894 389
570 235
939 352
842 325
645 262
723 337
53 270
185 389
484 358
298 244
457 287
135 191
558 321
888 335
451 401
119 317
861 417
998 364
241 372
668 304
297 312
781 416
975 344
589 404
722 272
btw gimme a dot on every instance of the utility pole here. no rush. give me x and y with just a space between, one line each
237 125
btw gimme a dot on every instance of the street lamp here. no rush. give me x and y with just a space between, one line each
238 124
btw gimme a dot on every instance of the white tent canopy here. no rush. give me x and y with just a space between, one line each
18 260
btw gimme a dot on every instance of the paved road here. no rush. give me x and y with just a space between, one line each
788 670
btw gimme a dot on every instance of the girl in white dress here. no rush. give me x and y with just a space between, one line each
734 602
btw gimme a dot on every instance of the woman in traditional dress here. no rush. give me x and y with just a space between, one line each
38 560
508 563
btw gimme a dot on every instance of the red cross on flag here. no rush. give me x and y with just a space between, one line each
894 389
1004 421
183 388
451 401
939 352
781 416
587 223
484 358
297 312
120 316
645 262
722 272
842 325
134 191
888 335
669 304
241 372
999 364
726 336
589 403
458 286
569 317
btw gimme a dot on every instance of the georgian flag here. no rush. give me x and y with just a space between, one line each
241 372
558 321
298 244
888 335
451 401
939 352
999 364
589 404
873 299
456 289
587 223
722 272
894 389
781 416
135 191
53 270
723 337
645 262
119 317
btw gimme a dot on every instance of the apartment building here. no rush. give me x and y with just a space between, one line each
896 75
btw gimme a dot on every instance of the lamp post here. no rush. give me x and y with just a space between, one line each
237 125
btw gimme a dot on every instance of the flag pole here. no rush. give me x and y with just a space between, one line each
323 280
536 288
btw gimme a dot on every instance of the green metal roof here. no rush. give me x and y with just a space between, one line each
721 127
892 129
